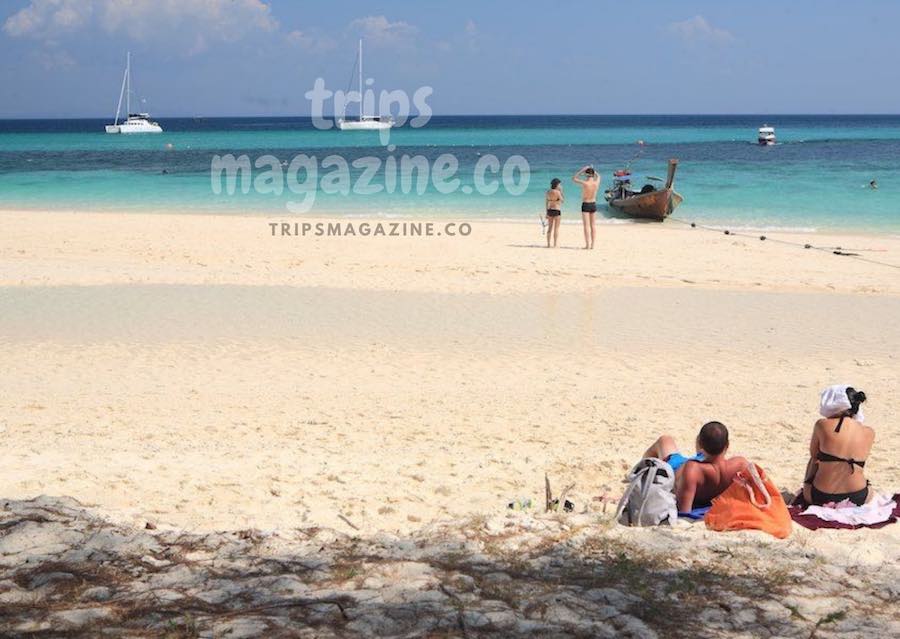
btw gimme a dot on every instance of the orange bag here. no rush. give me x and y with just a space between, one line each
751 503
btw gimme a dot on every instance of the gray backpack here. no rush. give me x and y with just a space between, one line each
649 499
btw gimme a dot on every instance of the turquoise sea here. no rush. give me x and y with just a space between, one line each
815 178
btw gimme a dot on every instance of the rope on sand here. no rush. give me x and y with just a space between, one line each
834 250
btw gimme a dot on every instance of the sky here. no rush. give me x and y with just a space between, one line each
64 58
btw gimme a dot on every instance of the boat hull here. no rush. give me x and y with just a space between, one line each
657 205
129 128
364 125
144 127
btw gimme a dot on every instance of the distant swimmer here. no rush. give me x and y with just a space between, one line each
590 184
553 200
873 185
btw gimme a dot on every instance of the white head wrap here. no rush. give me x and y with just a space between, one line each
834 402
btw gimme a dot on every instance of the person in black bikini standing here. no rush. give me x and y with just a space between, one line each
553 199
838 450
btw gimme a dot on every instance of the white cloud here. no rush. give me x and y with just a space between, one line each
469 39
47 18
472 37
54 59
194 23
698 30
380 31
310 40
68 15
300 39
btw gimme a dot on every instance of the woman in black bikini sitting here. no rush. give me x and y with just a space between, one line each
838 450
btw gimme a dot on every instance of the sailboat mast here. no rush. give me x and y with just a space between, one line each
121 95
360 82
128 83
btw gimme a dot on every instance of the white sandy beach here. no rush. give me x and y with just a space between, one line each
197 372
284 353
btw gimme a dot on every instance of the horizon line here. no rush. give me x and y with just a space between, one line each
463 115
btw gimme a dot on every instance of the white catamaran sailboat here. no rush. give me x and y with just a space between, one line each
135 122
365 122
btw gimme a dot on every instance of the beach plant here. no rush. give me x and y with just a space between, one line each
185 628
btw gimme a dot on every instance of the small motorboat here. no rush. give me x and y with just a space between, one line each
649 202
766 135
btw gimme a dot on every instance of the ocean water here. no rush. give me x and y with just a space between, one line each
814 179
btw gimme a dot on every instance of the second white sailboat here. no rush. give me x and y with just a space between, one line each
365 122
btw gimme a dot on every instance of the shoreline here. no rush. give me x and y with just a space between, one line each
53 248
571 218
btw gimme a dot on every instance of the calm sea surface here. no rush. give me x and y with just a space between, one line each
815 178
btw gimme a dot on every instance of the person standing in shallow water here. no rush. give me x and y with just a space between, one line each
590 184
553 200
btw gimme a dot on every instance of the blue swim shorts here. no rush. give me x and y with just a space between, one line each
677 460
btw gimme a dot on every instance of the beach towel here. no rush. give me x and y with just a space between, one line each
752 502
695 513
879 512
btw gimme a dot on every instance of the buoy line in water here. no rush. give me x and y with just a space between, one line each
834 250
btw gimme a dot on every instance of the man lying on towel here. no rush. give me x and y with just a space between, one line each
703 476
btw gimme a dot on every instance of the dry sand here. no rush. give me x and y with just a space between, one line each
200 373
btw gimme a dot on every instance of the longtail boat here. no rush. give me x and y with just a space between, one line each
649 202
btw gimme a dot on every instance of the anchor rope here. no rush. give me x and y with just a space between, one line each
834 250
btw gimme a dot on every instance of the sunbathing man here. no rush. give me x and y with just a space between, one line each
590 184
700 478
